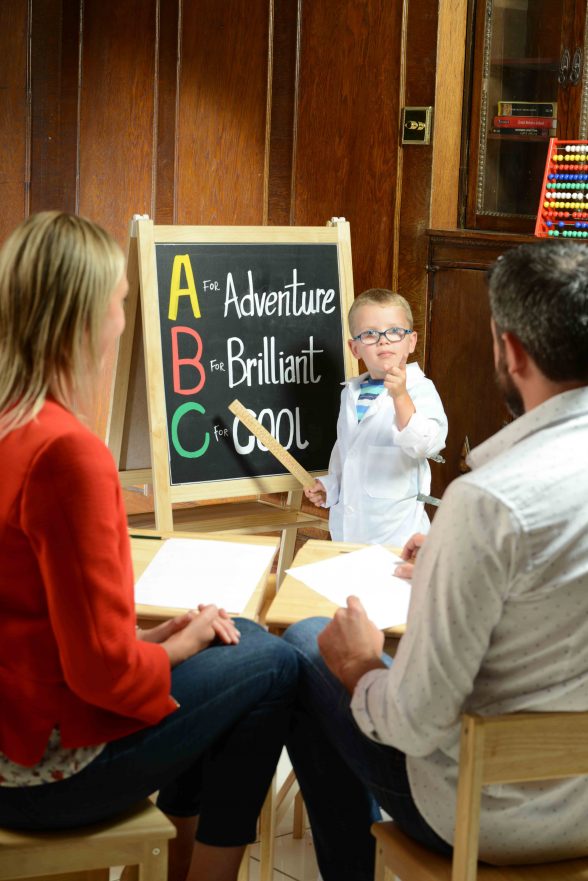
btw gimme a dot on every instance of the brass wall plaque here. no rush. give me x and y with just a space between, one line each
416 125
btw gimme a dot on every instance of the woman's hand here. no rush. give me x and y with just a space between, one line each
163 631
223 626
409 553
202 628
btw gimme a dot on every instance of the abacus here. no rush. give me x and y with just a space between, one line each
563 207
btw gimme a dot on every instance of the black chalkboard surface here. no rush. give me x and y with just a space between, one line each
260 322
257 314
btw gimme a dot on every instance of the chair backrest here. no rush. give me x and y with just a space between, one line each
508 749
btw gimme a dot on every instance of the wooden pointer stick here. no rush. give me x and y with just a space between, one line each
274 446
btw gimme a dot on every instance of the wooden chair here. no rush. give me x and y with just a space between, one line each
138 838
498 749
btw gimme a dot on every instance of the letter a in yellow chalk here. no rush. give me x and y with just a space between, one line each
176 291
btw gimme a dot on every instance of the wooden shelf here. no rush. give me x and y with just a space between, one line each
527 63
533 139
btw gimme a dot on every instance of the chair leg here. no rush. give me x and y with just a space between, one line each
243 874
154 864
267 832
381 871
299 816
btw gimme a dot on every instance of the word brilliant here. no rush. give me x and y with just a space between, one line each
269 367
290 301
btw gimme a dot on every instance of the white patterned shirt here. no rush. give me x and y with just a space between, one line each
57 763
498 623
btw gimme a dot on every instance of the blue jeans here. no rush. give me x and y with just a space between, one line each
344 776
214 757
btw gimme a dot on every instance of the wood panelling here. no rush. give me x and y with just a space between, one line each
55 59
14 117
448 111
116 127
232 112
460 357
283 103
117 112
461 319
166 87
221 133
347 126
414 194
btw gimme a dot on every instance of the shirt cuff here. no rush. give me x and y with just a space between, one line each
331 485
417 435
360 701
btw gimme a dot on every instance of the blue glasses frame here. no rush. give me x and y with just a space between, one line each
372 337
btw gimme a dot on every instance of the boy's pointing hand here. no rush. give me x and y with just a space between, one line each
395 378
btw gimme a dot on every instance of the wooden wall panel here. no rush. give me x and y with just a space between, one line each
117 112
167 102
116 131
449 88
283 103
14 170
221 133
347 126
414 193
55 56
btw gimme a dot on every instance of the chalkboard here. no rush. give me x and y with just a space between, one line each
260 322
253 313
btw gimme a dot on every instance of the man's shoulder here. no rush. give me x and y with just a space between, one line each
538 467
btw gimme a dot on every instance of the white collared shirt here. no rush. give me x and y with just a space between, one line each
376 470
498 623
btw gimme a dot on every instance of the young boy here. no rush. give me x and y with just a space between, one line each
391 419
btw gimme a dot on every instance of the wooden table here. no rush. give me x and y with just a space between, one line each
146 542
295 601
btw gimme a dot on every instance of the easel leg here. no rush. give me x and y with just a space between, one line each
288 540
244 867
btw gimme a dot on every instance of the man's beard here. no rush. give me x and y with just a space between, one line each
512 396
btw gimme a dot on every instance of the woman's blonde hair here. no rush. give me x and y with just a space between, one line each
57 274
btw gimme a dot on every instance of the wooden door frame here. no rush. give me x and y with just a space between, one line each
449 87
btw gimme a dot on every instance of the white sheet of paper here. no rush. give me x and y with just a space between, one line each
185 572
367 574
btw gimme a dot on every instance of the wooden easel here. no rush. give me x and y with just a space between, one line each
137 427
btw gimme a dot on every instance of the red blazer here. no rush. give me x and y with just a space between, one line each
69 655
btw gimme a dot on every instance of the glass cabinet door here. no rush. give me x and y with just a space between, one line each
528 83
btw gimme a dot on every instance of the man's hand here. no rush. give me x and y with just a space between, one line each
409 553
351 644
317 494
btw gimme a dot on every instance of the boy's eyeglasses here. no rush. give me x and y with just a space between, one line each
371 337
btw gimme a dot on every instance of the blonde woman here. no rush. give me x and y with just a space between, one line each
94 718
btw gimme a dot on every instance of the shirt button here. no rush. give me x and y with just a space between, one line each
348 509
